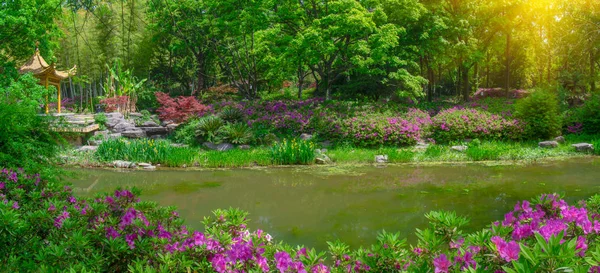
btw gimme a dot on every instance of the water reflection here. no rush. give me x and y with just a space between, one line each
311 205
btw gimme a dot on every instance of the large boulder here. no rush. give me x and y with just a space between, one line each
421 146
86 149
225 147
102 133
151 131
560 139
149 123
123 164
381 159
178 145
134 133
209 145
115 115
244 147
306 136
461 148
112 119
172 126
218 147
122 127
114 136
548 144
584 147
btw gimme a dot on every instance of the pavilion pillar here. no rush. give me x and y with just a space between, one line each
58 87
46 85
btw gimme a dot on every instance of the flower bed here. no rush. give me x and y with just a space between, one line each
459 124
45 227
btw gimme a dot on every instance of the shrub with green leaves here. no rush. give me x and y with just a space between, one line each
588 115
231 114
237 133
208 128
26 139
101 120
186 133
540 112
293 152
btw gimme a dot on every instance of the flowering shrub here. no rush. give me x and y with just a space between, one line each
179 109
376 131
458 124
46 228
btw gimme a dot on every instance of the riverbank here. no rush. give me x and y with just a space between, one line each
475 151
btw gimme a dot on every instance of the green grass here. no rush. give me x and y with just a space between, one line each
486 151
295 153
235 158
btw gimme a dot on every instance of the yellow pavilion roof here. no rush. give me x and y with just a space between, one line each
39 67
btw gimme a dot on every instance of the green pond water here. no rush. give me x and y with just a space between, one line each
310 206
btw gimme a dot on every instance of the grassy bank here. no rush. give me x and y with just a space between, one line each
340 155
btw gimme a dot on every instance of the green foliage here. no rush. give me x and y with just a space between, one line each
101 120
23 24
589 114
26 139
596 144
231 114
540 113
293 152
145 150
237 133
25 91
186 133
208 128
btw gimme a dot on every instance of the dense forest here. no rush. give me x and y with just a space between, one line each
345 49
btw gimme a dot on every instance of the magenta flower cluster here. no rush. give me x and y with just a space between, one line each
459 124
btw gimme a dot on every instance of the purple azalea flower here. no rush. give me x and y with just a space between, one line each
111 233
283 261
320 268
581 246
457 244
441 264
508 251
130 239
219 263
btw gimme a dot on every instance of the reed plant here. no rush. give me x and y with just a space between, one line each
293 152
145 150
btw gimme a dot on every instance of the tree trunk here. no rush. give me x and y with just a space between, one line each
200 76
507 83
465 84
592 71
431 83
301 76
